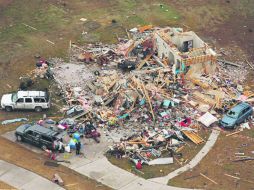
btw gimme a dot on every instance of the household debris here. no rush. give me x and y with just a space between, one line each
58 180
149 93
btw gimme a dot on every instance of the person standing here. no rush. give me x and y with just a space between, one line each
78 147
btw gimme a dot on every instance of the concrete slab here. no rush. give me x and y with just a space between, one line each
117 178
95 170
142 184
40 183
4 167
23 179
17 177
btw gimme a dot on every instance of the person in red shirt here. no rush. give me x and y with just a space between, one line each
139 165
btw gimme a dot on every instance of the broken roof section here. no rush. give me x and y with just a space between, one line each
184 49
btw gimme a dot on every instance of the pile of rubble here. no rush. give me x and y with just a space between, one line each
161 85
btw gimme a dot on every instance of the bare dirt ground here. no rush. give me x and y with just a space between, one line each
226 24
4 186
219 162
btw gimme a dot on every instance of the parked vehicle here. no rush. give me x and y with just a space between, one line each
38 135
28 100
236 115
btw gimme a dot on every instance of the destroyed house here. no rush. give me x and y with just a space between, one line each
184 49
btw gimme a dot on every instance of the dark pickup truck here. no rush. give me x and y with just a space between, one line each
38 135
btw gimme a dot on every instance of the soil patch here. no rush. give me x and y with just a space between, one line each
220 162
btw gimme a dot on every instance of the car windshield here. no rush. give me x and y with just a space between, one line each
14 97
232 114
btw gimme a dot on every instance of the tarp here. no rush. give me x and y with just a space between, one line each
207 119
13 121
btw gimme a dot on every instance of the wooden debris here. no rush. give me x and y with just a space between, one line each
229 63
158 61
239 153
129 37
83 114
29 26
180 163
194 137
203 175
238 178
249 63
179 149
50 42
70 185
144 28
236 132
148 99
232 176
194 176
139 142
204 98
243 159
142 63
200 83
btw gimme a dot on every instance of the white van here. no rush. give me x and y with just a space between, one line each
26 100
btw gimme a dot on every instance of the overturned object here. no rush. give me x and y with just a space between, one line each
6 122
161 161
58 180
207 119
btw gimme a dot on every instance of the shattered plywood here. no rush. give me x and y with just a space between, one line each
194 137
203 98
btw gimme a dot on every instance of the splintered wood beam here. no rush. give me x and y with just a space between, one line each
148 99
203 175
142 63
233 133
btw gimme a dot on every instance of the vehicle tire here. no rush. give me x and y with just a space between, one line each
38 109
8 108
237 125
43 147
19 138
97 139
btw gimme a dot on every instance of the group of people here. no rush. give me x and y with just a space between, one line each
84 130
75 143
